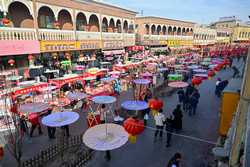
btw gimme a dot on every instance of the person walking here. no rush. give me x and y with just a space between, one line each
159 122
51 130
194 100
169 129
175 160
177 121
217 87
222 85
34 120
236 72
181 94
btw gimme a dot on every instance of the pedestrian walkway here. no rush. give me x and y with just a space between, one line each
203 125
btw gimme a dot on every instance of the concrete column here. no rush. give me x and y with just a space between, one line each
241 116
100 27
35 14
74 24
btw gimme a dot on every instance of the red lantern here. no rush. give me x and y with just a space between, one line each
210 74
5 21
56 24
11 62
196 81
30 57
155 104
133 127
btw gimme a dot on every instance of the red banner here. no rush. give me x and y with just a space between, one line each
31 89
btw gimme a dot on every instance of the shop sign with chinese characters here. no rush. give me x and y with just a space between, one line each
52 46
82 45
113 44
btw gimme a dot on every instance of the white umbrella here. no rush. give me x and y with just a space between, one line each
105 137
60 119
33 107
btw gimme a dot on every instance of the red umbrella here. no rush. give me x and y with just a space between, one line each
133 127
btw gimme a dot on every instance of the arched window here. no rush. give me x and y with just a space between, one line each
65 20
147 29
158 30
81 22
111 25
20 15
104 25
125 26
118 26
153 30
46 18
93 23
164 30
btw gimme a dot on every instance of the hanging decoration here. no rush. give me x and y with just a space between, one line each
30 57
57 24
5 21
210 74
134 127
11 62
196 81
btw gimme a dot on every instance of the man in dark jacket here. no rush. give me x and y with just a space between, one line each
169 129
194 100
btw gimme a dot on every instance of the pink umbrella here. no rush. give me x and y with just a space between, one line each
146 74
178 84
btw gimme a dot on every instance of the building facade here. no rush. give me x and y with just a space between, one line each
63 26
160 32
204 36
223 35
241 33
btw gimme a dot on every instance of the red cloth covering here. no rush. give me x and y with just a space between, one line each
14 109
30 89
33 118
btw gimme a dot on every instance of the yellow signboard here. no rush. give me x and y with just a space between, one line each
82 45
53 46
174 43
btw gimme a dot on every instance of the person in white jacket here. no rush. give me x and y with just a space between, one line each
159 122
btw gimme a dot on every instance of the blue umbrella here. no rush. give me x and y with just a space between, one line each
104 99
108 79
142 81
134 105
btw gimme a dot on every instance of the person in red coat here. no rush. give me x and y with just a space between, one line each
34 120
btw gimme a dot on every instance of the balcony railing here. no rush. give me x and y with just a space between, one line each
9 33
111 36
54 35
85 35
167 37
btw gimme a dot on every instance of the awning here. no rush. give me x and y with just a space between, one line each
114 52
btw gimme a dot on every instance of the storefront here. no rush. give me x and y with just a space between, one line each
18 50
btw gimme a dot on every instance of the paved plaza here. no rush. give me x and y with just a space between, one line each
146 153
